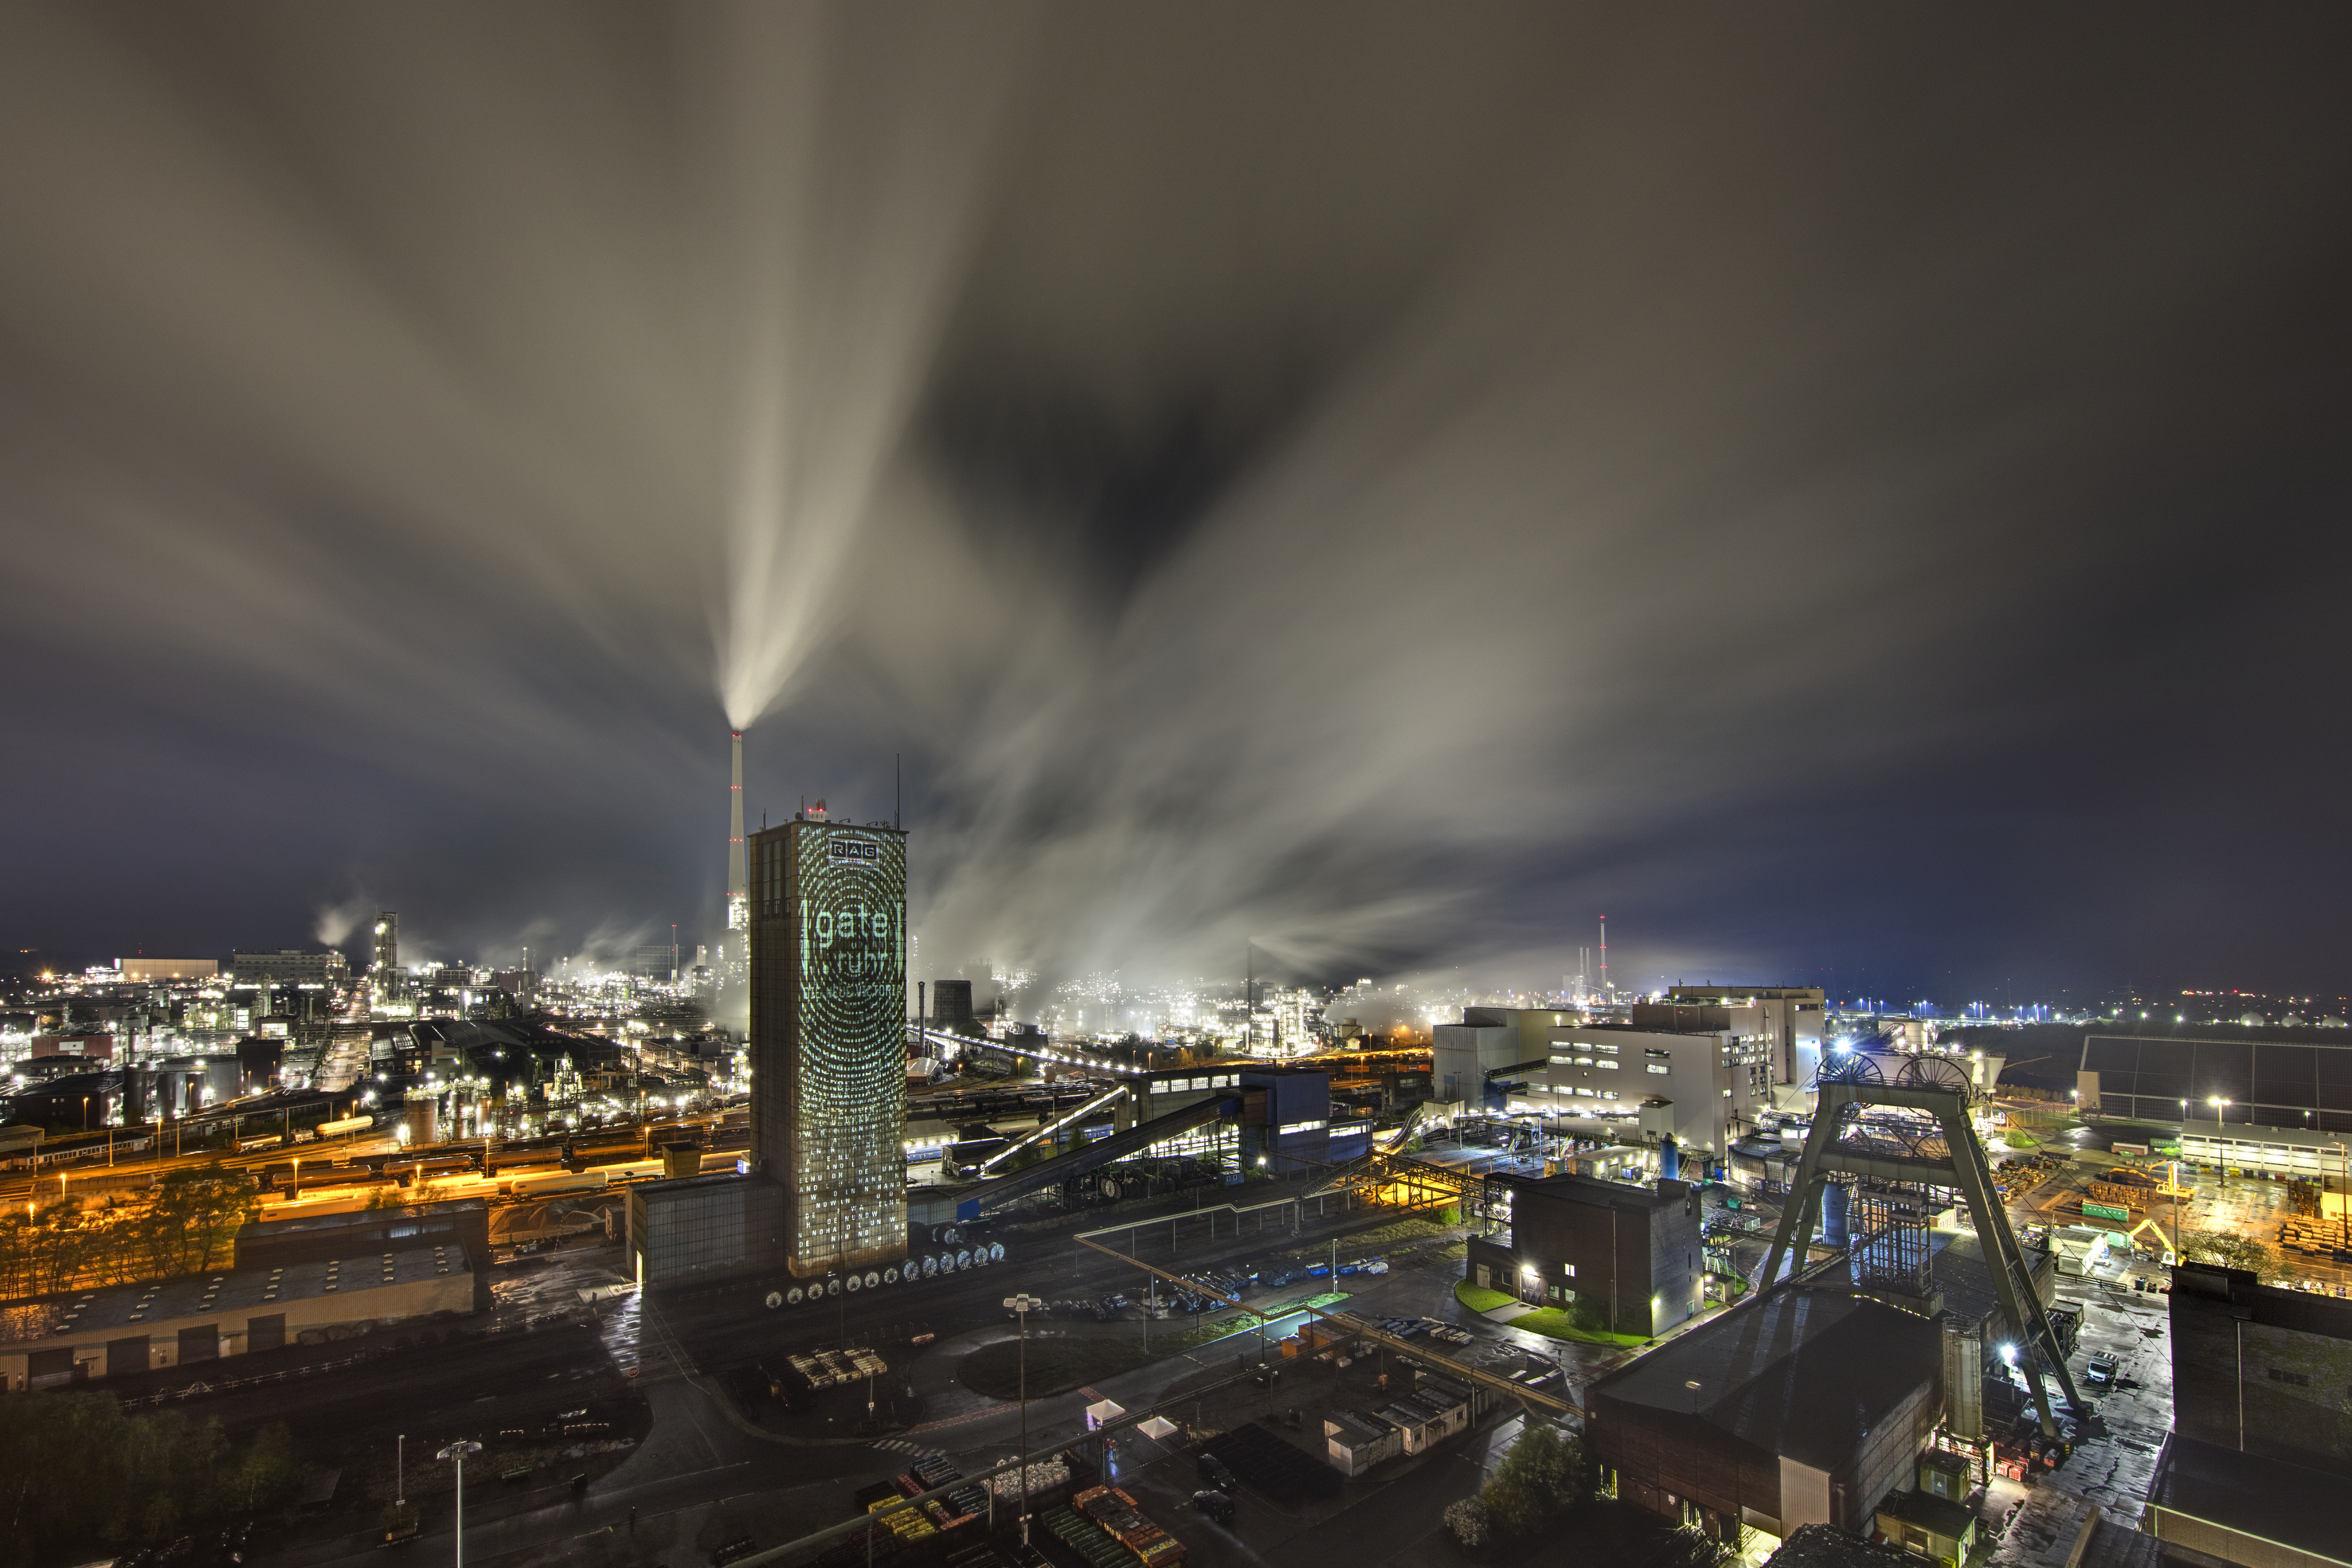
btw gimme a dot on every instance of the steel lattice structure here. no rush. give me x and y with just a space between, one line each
1889 1223
1901 1135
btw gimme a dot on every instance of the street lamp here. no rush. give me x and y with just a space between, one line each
458 1451
2221 1144
1021 1306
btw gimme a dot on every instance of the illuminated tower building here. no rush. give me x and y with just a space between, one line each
739 883
828 939
386 968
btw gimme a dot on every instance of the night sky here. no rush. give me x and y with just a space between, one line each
1858 487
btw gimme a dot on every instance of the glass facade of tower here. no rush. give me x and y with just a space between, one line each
828 923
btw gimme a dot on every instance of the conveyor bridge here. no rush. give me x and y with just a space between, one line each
1100 1153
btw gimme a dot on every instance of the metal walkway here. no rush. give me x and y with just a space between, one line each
1427 1180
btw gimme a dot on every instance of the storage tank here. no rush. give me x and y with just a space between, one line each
424 1118
1834 1231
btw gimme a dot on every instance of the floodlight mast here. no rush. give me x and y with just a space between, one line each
1021 1306
460 1452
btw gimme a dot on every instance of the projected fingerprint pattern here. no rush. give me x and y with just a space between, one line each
845 905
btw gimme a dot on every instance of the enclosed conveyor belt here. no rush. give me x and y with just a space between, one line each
1095 1155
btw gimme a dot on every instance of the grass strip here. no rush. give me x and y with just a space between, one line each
1552 1323
1478 1298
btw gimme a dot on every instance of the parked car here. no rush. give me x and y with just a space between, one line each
1212 1470
1216 1504
2101 1372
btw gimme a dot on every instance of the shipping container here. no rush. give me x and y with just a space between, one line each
1116 1514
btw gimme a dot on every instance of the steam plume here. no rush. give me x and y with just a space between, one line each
1382 483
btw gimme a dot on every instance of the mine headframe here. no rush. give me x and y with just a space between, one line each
1896 1136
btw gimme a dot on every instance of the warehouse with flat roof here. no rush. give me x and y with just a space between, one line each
77 1336
1802 1406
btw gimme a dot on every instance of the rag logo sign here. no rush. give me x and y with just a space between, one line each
842 850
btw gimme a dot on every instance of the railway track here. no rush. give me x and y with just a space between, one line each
92 1168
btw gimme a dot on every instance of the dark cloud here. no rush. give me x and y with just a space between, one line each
1853 489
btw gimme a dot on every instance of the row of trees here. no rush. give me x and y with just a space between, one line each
187 1225
78 1478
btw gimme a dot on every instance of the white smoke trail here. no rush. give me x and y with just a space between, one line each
336 922
855 147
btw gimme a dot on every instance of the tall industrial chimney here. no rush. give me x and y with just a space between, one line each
1605 993
738 871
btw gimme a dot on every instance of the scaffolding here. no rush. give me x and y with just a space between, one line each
1889 1222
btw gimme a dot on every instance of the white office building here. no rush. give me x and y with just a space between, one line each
1628 1083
